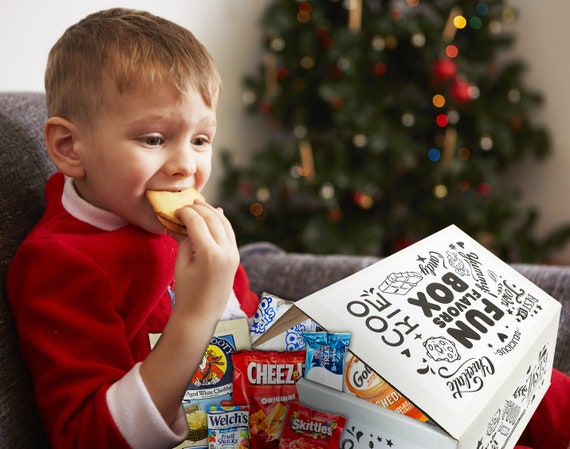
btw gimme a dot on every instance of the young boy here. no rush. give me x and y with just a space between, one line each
131 104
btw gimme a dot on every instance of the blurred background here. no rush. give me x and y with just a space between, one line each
364 126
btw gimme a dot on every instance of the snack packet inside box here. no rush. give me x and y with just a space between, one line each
270 309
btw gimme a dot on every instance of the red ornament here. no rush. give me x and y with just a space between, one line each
282 73
484 189
402 242
444 69
335 71
336 102
516 122
461 91
264 107
327 42
380 68
335 215
245 188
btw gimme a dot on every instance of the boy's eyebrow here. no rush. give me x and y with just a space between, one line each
210 122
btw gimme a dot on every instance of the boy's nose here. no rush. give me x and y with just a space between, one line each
181 162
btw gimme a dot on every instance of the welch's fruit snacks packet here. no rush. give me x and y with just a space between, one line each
228 427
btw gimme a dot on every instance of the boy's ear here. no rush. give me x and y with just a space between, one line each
60 140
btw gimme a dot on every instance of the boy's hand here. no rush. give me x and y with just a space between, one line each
207 261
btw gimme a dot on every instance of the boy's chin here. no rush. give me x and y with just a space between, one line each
153 227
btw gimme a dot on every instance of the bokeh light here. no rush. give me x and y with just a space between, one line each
438 100
434 154
451 51
460 22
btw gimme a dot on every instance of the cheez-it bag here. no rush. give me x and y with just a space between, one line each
266 382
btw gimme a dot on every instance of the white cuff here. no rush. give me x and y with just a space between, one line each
233 309
138 419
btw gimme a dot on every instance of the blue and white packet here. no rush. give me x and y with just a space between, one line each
324 362
270 309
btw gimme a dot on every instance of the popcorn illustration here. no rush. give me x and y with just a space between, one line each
458 264
400 283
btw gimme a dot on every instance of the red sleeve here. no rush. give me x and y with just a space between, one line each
549 426
73 341
248 299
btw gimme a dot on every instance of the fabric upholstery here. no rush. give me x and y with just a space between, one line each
24 169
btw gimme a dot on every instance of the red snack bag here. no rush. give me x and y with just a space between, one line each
266 381
307 428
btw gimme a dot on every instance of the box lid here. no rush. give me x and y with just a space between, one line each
444 321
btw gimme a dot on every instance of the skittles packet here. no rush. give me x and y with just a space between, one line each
307 428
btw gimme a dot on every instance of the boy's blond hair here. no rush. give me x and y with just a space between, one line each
115 50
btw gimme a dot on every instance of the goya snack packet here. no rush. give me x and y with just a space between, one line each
361 381
307 428
266 381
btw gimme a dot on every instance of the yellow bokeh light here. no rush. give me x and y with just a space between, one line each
440 191
366 202
438 100
460 22
391 41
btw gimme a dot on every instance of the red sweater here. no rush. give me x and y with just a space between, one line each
85 300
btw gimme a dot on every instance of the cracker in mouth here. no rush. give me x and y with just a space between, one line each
164 203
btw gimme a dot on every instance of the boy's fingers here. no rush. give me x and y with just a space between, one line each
203 218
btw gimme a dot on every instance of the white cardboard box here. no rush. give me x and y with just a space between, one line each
369 425
460 333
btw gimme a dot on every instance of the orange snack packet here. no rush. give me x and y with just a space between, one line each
361 381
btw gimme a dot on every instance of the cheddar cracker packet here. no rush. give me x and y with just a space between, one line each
361 381
307 428
266 382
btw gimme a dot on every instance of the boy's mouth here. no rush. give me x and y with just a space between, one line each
165 203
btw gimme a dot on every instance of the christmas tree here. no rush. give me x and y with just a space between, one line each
395 119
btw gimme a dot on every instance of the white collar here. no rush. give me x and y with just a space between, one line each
87 212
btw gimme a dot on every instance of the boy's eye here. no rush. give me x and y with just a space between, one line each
152 141
200 141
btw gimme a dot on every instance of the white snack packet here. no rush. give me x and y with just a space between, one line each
270 309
